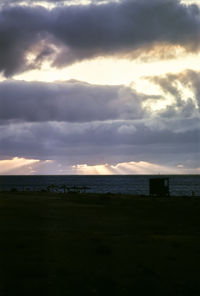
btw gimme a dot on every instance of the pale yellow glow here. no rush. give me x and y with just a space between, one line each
85 2
15 164
122 71
85 169
113 71
2 78
145 86
33 166
189 2
52 5
42 3
110 71
132 167
140 167
157 105
65 3
30 57
186 93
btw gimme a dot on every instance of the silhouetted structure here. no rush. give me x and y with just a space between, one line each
159 186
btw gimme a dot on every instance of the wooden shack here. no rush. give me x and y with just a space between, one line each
159 186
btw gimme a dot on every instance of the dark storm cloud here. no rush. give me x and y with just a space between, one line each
97 142
122 27
84 32
68 101
168 136
20 29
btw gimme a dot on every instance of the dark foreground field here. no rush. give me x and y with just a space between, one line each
85 245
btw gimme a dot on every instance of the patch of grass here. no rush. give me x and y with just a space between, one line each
87 245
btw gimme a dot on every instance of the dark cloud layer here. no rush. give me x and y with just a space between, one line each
75 101
83 32
98 143
153 137
70 101
75 122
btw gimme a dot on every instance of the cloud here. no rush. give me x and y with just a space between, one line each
133 168
76 101
74 123
61 2
65 35
96 142
17 165
70 101
184 87
20 29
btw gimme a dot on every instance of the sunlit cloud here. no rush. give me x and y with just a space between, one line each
18 165
53 4
22 166
44 4
189 2
48 4
84 169
133 168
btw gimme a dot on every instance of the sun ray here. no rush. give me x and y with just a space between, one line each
16 164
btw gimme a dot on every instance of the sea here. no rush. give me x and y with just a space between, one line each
179 185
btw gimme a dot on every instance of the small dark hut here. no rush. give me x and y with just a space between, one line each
159 186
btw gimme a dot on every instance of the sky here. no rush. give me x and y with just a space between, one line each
99 87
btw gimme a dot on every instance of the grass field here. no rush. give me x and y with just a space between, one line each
90 245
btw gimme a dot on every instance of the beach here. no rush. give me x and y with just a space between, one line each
94 244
